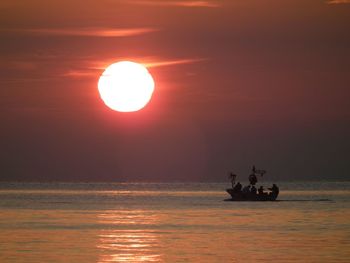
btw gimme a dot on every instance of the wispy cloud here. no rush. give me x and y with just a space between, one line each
162 63
150 62
87 32
43 67
94 68
208 4
80 73
18 65
334 2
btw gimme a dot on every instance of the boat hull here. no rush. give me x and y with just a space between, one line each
240 196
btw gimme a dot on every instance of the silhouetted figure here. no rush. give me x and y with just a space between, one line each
237 188
246 189
261 190
274 189
253 190
252 179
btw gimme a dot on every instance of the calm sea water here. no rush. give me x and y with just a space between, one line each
138 222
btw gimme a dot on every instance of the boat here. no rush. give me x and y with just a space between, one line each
240 196
249 192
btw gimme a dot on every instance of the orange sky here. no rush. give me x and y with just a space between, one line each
237 83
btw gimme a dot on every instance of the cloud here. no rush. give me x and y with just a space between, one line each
95 68
150 62
79 73
334 2
20 65
162 63
88 32
43 67
208 4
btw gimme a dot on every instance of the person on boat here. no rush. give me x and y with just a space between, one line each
261 190
253 190
237 188
274 189
246 189
252 179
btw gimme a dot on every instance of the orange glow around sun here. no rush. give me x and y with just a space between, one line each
126 86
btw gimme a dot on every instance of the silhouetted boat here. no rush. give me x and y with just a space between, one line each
249 192
240 196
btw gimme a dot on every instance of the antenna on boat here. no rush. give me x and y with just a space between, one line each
252 178
232 176
259 172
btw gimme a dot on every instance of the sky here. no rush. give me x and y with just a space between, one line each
237 83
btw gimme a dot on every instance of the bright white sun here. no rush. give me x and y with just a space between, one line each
126 86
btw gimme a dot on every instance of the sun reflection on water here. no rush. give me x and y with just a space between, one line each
124 243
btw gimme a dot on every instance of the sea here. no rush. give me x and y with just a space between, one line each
172 222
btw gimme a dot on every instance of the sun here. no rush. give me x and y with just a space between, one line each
126 86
